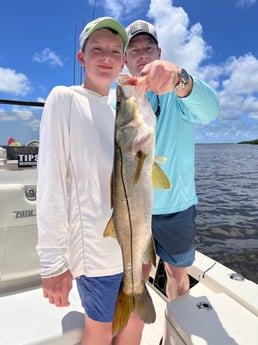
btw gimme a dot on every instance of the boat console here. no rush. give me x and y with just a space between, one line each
22 305
19 264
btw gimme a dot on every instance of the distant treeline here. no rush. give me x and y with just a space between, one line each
255 142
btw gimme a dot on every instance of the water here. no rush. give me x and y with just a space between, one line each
227 220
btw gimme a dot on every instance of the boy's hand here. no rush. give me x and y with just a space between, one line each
57 288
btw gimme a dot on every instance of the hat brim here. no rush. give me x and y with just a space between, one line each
111 24
142 33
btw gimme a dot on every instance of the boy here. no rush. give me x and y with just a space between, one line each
74 169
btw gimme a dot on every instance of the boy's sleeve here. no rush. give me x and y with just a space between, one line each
52 219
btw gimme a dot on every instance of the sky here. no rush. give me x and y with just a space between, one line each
215 40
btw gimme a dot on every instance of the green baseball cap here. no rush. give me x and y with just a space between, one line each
100 23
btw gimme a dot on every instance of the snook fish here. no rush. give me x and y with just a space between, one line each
133 178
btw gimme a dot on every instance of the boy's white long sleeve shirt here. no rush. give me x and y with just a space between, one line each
73 188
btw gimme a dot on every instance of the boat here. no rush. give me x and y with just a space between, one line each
221 307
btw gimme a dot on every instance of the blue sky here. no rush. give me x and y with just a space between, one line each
214 40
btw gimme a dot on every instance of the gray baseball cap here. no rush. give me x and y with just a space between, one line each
141 27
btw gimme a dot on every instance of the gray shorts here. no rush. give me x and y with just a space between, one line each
174 236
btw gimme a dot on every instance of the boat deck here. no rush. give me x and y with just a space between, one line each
228 313
153 332
41 323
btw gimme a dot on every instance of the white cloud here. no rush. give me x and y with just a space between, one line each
24 114
48 56
117 8
243 74
181 44
250 106
245 3
114 7
235 80
239 87
34 125
7 116
16 114
13 82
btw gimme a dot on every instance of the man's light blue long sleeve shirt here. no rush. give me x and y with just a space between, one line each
175 140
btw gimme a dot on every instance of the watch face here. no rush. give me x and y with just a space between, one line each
185 76
184 79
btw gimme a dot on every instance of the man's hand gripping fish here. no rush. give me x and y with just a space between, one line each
134 176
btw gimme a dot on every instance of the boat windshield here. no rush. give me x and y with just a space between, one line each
19 131
19 122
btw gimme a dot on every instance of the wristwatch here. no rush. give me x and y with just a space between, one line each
184 79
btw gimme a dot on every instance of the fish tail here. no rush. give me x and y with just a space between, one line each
144 306
126 304
124 308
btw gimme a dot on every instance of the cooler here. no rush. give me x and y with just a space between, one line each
206 318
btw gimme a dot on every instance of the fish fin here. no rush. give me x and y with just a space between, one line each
159 178
110 229
144 306
160 159
124 308
126 304
150 253
140 156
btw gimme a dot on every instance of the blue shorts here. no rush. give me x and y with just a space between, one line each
98 295
174 236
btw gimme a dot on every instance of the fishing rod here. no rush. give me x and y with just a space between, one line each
27 103
92 17
93 10
74 53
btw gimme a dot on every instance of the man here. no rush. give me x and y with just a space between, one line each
179 100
